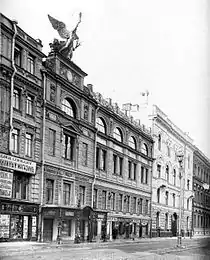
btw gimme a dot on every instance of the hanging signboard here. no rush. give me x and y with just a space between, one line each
6 184
18 164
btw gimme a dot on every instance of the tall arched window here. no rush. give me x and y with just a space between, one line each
132 142
167 173
159 142
144 149
118 134
68 108
100 124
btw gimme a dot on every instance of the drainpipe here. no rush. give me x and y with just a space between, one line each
94 160
42 156
12 85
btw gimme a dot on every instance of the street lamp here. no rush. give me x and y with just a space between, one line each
180 157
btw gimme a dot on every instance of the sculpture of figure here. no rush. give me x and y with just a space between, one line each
72 40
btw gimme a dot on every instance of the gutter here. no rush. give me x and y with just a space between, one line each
94 161
14 23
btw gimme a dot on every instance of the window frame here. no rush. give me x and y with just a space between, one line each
28 145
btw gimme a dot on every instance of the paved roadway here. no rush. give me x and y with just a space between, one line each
126 250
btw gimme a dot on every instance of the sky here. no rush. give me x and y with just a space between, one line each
129 46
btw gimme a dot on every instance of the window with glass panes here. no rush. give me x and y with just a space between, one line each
121 166
103 199
134 204
174 199
16 99
140 204
82 194
95 198
20 185
117 134
29 105
114 164
17 56
49 191
51 144
132 142
84 154
68 146
100 124
68 108
120 202
31 63
158 170
66 193
112 201
15 140
28 144
166 197
129 169
146 206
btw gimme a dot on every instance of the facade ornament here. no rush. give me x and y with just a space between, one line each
66 48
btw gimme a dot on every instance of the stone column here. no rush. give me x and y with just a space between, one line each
110 230
86 230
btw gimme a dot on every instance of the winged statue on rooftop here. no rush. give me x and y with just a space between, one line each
72 40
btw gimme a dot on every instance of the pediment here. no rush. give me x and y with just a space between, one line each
70 126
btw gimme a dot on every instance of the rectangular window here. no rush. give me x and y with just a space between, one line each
16 99
103 199
121 166
15 140
146 175
129 169
103 160
51 145
140 203
84 154
66 193
134 171
6 46
146 206
120 205
114 164
68 147
29 105
97 158
28 145
20 186
95 198
17 56
174 201
30 63
82 195
112 201
128 203
49 191
166 194
142 174
158 170
134 204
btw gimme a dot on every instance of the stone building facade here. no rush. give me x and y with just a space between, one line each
20 134
201 205
166 183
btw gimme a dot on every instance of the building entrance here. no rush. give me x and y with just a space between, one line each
48 230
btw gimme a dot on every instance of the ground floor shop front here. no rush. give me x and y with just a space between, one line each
18 220
77 224
119 227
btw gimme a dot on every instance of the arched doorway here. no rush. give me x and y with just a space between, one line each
174 224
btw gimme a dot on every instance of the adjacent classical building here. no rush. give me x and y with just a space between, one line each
20 132
167 186
201 205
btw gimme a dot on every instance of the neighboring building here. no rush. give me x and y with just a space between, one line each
169 140
201 205
20 134
123 172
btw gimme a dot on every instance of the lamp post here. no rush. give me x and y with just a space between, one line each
180 157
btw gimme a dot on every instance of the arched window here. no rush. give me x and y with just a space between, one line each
100 124
132 142
144 149
158 195
118 134
159 142
68 108
167 173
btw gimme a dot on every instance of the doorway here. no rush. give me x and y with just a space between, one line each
174 225
48 230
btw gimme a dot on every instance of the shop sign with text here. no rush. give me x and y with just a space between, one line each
17 164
